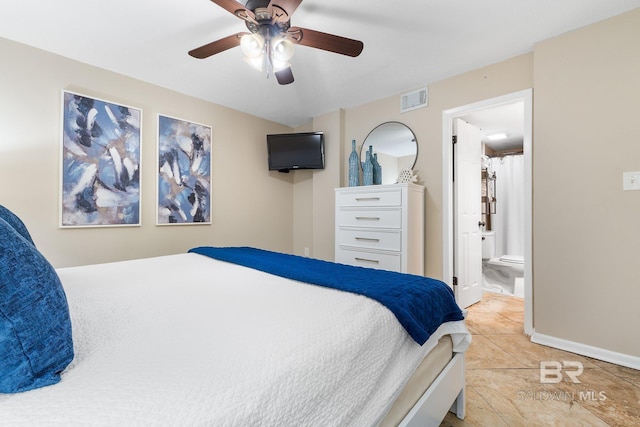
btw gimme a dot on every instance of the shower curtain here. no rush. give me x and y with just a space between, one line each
508 222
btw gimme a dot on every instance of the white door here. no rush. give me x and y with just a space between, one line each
467 257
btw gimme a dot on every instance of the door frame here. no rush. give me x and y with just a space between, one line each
447 189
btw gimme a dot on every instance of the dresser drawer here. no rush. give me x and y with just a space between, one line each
381 261
373 218
386 240
370 199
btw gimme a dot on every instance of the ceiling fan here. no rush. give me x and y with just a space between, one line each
269 44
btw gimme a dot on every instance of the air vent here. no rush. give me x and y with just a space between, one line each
413 100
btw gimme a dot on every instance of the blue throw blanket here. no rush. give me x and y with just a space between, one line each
420 304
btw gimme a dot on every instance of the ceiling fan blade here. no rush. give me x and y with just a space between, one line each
237 9
284 76
217 46
289 6
324 41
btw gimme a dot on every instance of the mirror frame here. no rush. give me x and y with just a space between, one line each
364 143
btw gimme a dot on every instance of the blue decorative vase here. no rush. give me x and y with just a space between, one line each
367 170
377 170
354 166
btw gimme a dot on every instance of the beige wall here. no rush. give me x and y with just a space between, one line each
586 228
314 191
303 205
324 183
250 205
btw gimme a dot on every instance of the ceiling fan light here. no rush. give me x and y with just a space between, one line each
252 45
282 49
279 65
256 63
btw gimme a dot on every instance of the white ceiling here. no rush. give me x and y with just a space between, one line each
507 119
407 45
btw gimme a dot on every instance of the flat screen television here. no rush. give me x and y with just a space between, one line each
288 151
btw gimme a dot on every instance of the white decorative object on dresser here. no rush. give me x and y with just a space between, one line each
381 226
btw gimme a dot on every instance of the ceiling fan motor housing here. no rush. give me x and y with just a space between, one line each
271 19
256 4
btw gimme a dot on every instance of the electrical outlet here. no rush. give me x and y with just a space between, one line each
306 251
631 180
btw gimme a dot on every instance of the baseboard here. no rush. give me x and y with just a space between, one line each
587 350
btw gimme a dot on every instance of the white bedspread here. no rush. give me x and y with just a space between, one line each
184 340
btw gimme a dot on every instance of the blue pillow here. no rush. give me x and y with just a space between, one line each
35 328
16 223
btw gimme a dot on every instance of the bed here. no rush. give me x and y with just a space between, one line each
192 340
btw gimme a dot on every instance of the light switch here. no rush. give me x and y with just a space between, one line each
631 180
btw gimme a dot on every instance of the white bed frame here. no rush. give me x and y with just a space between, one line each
446 393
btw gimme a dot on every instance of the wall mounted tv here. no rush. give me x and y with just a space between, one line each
295 151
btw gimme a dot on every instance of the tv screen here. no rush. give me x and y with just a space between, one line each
295 151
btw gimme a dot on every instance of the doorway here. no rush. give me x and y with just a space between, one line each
449 212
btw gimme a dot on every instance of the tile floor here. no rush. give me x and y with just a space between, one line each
503 378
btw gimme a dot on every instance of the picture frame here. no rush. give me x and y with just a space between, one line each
100 162
183 172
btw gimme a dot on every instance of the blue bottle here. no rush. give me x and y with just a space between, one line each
354 166
377 170
367 170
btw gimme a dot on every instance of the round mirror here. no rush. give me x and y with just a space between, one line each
396 148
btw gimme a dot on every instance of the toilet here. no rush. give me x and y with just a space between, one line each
502 274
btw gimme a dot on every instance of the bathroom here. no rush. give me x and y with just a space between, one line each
503 184
503 215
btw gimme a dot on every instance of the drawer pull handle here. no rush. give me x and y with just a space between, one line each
367 239
366 199
368 218
373 261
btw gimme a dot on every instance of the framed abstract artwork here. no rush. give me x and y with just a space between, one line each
184 172
100 170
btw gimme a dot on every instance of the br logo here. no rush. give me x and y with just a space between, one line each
553 371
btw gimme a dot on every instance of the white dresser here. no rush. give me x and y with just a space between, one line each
381 226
